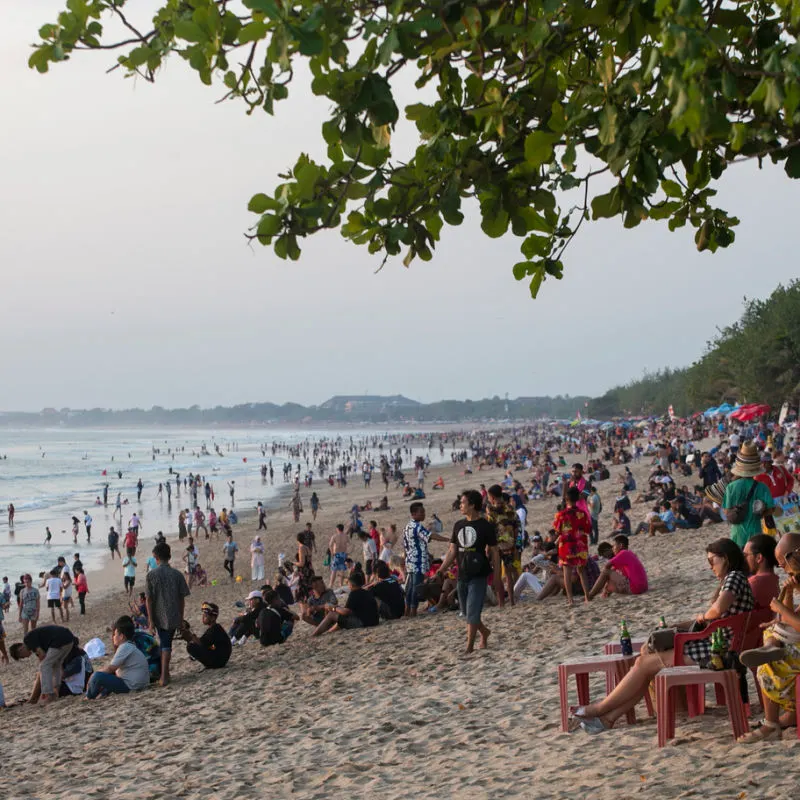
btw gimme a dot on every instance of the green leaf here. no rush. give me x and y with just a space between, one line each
190 31
309 43
268 7
536 281
269 225
536 246
792 166
608 124
671 189
496 225
259 203
252 32
539 147
522 269
607 205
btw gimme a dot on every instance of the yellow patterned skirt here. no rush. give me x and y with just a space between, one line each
777 679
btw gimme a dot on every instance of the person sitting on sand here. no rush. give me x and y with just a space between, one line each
622 523
247 624
438 483
128 670
213 648
733 596
360 611
665 522
759 553
275 622
312 610
384 504
622 574
778 661
139 612
388 593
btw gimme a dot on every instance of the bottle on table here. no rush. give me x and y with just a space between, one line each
625 643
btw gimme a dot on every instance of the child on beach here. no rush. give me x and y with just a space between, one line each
66 595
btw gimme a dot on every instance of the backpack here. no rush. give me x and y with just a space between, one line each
148 645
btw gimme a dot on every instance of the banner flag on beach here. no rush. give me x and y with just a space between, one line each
784 413
671 412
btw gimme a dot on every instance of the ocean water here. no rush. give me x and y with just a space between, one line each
52 474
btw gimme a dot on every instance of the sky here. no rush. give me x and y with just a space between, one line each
127 281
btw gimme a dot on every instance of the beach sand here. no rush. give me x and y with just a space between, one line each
391 711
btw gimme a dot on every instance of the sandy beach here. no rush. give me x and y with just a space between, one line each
391 710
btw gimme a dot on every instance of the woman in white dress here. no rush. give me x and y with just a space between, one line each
257 559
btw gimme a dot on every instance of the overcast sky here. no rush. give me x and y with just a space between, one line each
127 280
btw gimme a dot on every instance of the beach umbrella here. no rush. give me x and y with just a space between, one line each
746 414
725 408
710 412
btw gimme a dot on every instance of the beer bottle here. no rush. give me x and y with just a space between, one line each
662 622
625 643
717 650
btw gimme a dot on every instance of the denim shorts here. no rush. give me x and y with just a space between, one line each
471 594
165 639
413 581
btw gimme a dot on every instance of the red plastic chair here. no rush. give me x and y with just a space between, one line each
614 666
753 637
696 693
693 678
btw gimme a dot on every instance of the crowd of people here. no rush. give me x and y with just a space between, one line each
744 482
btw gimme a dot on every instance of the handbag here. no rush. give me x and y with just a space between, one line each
738 513
661 639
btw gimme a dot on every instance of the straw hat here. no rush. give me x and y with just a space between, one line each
748 462
716 492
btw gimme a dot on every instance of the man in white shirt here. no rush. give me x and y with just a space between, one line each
87 521
53 589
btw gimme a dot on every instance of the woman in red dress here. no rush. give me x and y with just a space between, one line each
573 527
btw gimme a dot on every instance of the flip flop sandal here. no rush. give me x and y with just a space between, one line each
766 732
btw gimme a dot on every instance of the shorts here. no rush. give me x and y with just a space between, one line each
129 582
413 581
509 558
338 562
349 622
471 594
54 603
165 639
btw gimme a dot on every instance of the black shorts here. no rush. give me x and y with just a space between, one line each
54 604
129 582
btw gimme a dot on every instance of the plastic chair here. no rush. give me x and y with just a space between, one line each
797 705
753 637
696 694
614 666
693 677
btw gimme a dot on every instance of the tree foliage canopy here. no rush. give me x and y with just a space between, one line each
755 360
531 100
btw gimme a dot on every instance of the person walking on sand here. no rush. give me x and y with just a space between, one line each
229 551
29 604
113 542
474 546
314 503
338 550
256 559
47 536
87 521
53 588
166 593
129 573
82 587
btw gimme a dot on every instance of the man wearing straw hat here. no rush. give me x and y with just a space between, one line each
743 493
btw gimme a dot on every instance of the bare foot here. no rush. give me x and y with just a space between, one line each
484 640
587 599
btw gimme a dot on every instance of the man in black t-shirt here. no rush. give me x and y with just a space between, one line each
51 644
213 648
474 546
388 592
360 611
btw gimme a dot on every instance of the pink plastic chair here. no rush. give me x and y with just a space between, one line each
692 677
614 666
